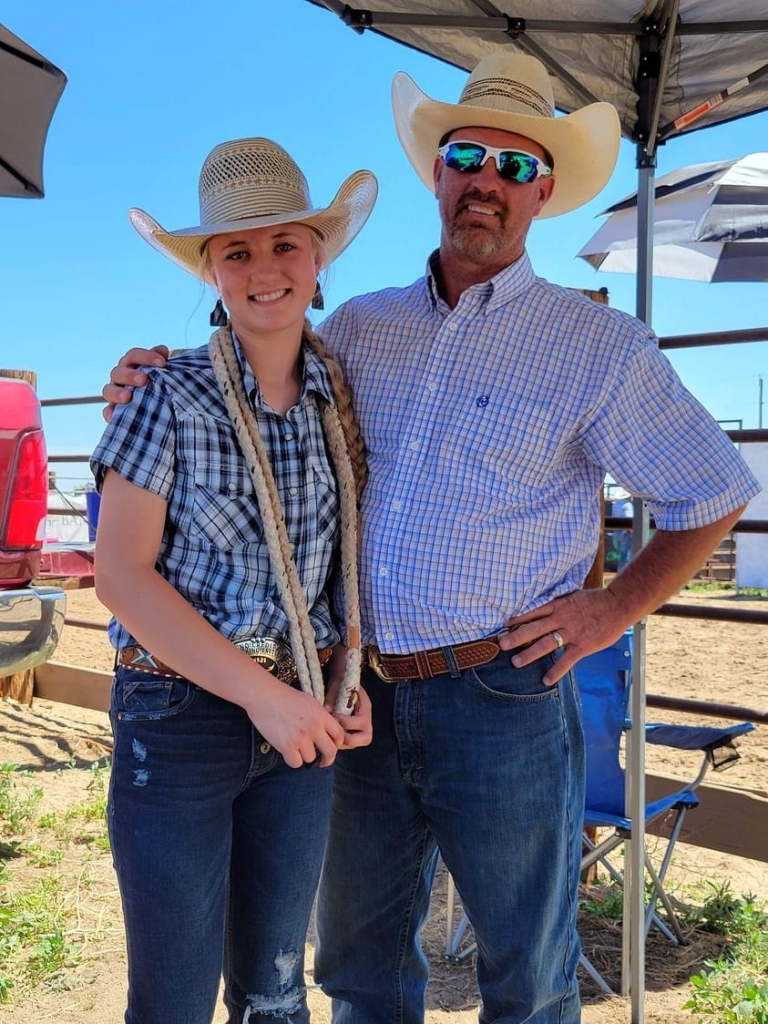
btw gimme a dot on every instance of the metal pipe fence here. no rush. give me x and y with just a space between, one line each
749 526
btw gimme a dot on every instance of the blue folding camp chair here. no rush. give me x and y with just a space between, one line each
604 681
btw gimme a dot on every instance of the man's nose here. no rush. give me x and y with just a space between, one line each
488 173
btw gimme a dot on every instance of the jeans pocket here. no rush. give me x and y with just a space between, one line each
500 680
141 696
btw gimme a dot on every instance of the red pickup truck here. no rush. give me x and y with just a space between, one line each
31 617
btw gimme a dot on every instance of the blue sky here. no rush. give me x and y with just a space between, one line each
153 86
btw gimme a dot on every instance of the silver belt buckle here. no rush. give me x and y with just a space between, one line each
273 655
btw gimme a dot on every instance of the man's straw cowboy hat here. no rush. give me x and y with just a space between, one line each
254 183
512 92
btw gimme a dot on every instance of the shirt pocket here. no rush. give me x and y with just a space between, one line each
327 507
224 509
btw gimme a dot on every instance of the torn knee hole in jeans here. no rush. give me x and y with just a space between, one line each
287 1000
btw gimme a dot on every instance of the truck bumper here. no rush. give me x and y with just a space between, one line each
31 621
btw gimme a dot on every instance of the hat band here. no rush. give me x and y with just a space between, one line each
242 201
516 92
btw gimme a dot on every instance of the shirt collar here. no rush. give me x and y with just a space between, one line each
316 375
496 291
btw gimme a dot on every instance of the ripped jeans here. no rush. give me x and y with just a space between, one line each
217 846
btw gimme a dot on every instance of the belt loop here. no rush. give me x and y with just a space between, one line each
451 662
422 665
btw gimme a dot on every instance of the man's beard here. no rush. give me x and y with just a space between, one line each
476 245
472 242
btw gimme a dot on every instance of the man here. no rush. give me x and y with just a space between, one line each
493 403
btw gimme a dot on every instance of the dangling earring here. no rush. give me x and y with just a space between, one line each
218 317
317 299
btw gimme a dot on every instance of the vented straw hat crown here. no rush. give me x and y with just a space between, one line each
254 183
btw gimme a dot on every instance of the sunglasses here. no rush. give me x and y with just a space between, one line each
511 164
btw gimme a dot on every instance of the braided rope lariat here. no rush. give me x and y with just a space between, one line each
301 633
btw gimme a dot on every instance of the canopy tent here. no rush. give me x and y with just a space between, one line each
669 67
706 59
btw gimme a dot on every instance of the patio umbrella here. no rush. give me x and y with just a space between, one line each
710 223
30 87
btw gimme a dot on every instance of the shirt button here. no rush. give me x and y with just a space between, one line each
397 505
431 387
294 490
414 446
264 747
233 487
389 635
453 326
288 435
383 571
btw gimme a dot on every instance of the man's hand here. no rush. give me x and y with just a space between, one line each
589 620
357 725
125 376
586 621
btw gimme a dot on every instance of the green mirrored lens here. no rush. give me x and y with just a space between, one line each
517 167
462 156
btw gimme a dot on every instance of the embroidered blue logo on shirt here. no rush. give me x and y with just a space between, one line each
482 401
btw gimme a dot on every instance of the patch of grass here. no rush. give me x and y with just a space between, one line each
42 857
605 902
39 941
732 989
702 587
16 807
33 947
67 827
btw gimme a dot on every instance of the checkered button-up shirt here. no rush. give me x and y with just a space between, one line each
175 439
490 428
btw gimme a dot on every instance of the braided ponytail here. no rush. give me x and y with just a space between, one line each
344 407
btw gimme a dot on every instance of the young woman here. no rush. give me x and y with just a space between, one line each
229 496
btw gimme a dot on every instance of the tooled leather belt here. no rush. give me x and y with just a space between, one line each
273 655
392 668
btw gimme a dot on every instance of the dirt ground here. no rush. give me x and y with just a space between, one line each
57 745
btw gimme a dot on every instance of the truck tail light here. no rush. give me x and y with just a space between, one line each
27 502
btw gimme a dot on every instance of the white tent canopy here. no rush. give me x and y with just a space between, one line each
613 50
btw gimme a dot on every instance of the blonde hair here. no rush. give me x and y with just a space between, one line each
344 406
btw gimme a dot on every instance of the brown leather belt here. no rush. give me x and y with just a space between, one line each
392 668
273 655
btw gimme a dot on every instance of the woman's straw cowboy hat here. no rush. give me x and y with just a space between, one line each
512 92
254 183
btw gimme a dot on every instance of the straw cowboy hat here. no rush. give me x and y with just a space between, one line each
512 92
254 183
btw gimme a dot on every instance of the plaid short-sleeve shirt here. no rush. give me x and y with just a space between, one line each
490 428
176 440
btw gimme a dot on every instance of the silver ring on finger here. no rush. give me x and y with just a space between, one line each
559 642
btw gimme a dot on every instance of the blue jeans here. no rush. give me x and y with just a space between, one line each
487 769
217 846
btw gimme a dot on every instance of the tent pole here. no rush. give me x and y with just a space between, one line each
633 958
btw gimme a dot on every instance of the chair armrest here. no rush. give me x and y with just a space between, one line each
694 737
